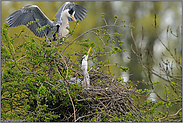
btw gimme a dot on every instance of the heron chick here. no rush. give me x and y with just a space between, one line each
86 80
84 66
34 18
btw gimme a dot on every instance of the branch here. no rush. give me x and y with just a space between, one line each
67 87
146 68
85 116
167 49
21 58
88 32
175 113
105 21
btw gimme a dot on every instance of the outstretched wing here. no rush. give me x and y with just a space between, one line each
27 14
80 11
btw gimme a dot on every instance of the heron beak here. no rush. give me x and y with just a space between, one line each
89 50
88 53
74 19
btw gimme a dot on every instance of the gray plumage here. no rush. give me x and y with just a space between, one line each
30 13
86 80
84 66
80 11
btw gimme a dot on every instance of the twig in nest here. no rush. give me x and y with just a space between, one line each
67 88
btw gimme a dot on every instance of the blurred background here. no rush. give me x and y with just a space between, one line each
141 14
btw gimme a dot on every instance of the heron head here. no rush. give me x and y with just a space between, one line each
71 13
85 57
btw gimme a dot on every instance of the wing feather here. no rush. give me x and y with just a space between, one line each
59 12
27 14
80 11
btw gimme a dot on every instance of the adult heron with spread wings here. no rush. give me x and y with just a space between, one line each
69 11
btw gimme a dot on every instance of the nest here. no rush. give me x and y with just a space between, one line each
105 104
105 100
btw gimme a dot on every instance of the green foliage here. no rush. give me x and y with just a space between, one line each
31 73
124 69
102 14
131 26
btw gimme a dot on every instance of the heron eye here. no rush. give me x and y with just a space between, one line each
71 11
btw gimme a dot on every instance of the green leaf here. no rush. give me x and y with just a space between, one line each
124 69
173 83
102 14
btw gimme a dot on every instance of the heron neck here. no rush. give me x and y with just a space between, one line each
64 19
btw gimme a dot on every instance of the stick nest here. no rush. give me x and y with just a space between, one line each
105 100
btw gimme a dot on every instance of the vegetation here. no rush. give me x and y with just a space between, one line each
31 90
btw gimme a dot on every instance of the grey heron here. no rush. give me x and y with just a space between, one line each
84 66
52 30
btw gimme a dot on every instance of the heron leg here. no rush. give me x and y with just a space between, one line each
86 81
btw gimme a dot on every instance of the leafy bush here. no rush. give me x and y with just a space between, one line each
31 90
